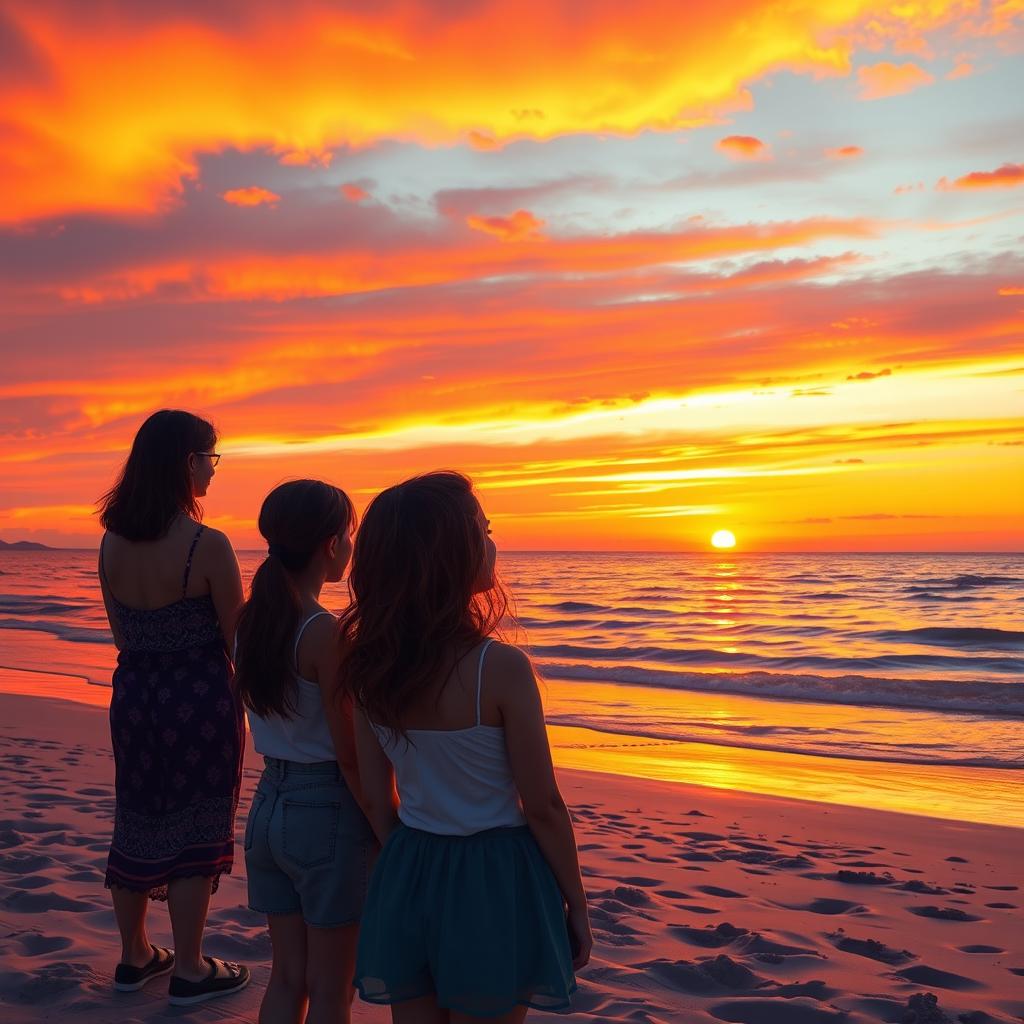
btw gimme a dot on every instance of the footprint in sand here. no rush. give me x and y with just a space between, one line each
861 878
980 949
39 945
713 975
709 937
828 907
767 1011
1016 970
18 863
714 890
1002 906
53 980
917 885
631 896
943 913
872 949
41 903
934 978
34 882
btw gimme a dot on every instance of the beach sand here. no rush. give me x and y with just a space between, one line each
707 904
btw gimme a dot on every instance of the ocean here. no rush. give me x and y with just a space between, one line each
890 680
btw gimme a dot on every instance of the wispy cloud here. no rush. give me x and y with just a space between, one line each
879 81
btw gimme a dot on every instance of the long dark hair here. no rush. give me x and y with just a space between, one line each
296 518
155 483
418 557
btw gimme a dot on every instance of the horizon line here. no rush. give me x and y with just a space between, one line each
633 551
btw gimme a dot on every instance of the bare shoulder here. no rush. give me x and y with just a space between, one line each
322 632
215 540
508 671
215 548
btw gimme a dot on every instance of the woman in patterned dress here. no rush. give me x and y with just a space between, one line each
172 592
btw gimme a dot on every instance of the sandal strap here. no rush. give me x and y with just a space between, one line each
234 970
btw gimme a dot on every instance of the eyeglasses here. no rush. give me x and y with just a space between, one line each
214 457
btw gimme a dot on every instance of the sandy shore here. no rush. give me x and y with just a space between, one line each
707 904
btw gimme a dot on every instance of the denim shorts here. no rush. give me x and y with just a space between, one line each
308 847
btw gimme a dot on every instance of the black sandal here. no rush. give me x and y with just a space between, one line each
130 979
182 992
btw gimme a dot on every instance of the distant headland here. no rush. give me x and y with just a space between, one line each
24 545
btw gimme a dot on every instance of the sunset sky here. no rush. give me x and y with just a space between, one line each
644 270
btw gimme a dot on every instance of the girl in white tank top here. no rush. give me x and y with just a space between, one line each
308 845
476 905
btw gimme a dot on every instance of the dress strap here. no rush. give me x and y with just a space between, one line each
480 675
298 635
188 561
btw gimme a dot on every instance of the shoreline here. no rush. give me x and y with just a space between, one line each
707 904
927 791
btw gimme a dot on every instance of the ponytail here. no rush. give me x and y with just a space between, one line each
265 672
296 518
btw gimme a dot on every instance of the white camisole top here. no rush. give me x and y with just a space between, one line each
454 782
305 737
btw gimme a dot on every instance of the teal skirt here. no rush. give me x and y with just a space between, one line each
476 920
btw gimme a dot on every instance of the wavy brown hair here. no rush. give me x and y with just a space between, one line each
155 483
295 519
418 557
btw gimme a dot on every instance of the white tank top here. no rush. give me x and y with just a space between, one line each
454 782
304 737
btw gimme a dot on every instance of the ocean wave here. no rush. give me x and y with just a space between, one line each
966 582
711 657
76 634
803 745
13 604
964 637
1001 699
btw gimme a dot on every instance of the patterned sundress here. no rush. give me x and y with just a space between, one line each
178 736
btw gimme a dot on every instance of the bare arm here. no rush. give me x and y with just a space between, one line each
378 779
509 671
225 585
108 603
320 643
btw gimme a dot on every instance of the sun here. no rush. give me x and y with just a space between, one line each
723 539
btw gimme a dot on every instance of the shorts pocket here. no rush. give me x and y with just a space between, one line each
310 831
250 822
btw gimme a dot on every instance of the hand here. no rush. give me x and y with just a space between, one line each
581 939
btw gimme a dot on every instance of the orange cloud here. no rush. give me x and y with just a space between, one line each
107 119
868 375
844 152
275 273
354 193
1011 291
1007 176
520 225
878 81
306 158
962 70
485 143
253 195
743 147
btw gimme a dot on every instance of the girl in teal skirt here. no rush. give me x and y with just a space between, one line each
476 908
